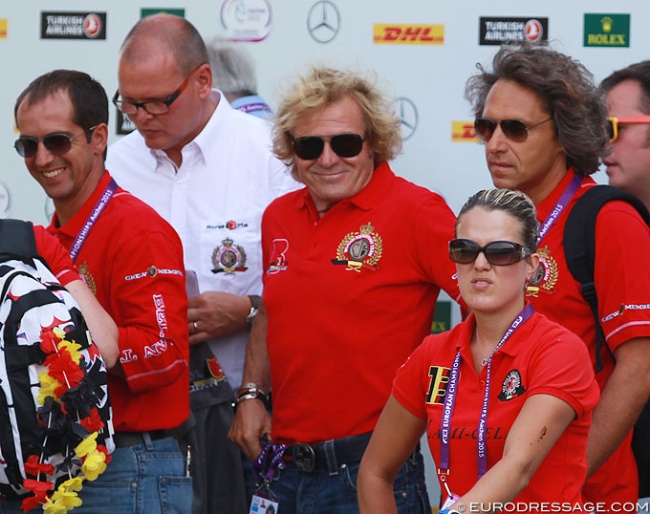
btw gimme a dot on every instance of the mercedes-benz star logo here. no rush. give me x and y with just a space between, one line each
323 21
408 116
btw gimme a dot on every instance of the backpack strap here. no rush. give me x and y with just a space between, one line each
580 246
17 239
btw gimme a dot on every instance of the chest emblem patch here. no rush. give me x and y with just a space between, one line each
545 277
511 386
360 250
228 257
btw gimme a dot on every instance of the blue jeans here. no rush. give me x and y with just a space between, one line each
334 491
141 479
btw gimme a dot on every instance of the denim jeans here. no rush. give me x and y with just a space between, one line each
334 491
140 479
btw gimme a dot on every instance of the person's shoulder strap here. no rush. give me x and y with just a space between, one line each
580 244
17 239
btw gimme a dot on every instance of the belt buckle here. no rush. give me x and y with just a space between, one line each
304 457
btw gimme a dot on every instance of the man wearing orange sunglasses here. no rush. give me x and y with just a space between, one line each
628 105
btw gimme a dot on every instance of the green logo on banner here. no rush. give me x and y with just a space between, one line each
148 12
607 30
441 317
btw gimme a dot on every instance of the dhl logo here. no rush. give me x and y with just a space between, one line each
463 132
384 34
3 28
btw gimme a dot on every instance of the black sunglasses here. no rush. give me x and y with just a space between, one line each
343 145
57 143
154 107
498 253
516 130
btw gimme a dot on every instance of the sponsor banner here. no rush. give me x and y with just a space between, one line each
3 28
463 132
441 317
323 21
73 25
124 124
149 11
408 34
607 30
246 20
5 201
496 31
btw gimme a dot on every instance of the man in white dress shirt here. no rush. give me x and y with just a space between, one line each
209 171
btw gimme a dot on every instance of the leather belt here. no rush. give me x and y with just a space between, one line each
310 457
124 439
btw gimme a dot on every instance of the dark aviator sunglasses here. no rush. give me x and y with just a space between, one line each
516 130
57 143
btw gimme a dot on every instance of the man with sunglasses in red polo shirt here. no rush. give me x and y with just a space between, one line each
353 265
628 104
542 120
132 260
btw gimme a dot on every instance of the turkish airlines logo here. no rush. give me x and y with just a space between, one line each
497 31
408 34
73 25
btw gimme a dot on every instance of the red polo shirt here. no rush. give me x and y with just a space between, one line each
540 357
133 261
348 297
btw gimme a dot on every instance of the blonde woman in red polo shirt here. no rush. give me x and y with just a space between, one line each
505 397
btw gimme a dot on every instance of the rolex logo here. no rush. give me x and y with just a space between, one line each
607 23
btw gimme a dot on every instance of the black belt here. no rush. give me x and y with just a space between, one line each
310 457
124 439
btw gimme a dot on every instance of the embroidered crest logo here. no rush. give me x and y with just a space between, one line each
228 257
360 250
278 260
545 277
511 386
87 277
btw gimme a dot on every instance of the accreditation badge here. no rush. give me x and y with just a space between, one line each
261 504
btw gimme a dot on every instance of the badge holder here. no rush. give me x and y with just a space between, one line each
266 468
451 497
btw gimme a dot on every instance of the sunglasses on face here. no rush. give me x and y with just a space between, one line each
343 145
57 143
516 130
498 253
612 123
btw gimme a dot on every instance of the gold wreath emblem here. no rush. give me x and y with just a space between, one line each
87 277
360 248
546 275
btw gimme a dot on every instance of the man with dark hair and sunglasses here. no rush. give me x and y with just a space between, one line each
353 266
628 104
542 120
132 260
208 169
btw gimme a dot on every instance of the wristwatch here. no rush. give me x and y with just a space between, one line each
255 306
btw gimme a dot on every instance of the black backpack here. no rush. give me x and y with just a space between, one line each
36 315
579 249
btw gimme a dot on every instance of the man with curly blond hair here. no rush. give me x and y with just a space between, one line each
353 264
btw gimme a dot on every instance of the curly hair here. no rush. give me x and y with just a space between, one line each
515 203
323 86
565 87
